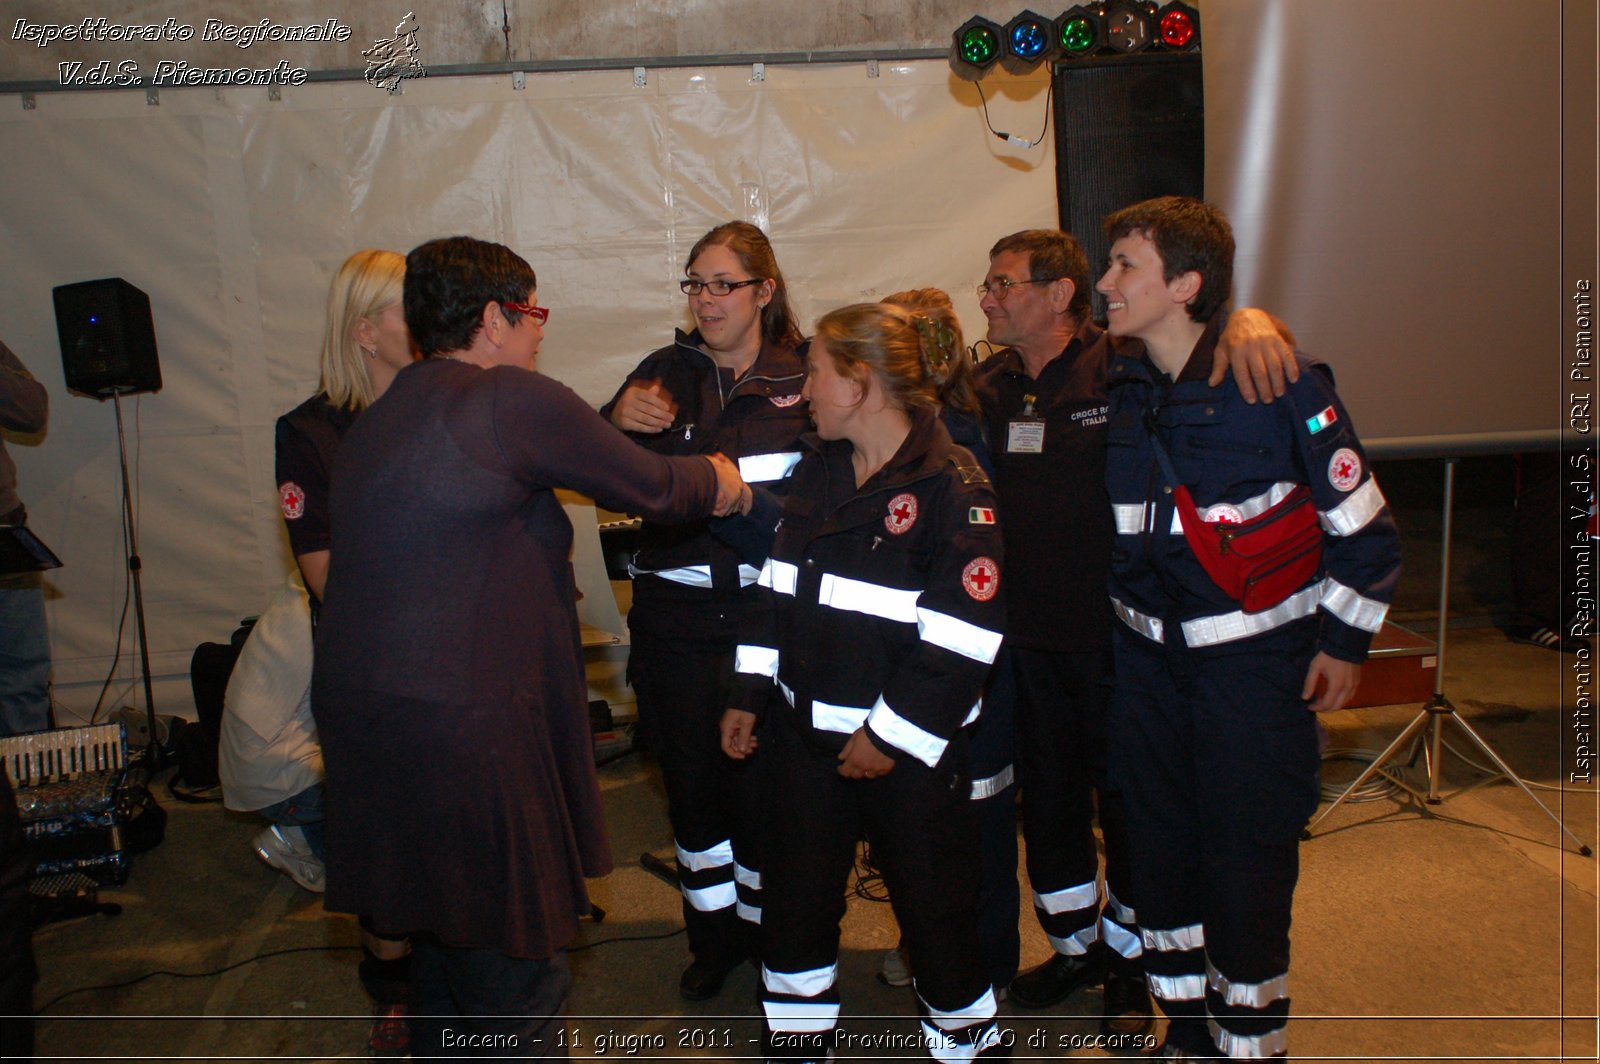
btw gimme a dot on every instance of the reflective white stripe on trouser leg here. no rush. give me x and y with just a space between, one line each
1251 995
1189 987
1076 944
717 856
1068 899
1119 938
1124 914
802 1017
708 899
1177 987
941 1046
1175 940
750 880
1248 1047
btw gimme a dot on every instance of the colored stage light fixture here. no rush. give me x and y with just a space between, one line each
974 48
1179 27
1029 40
1081 31
1130 26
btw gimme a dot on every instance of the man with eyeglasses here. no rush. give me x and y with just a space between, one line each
1044 404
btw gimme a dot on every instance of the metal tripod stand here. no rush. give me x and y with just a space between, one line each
135 566
1437 713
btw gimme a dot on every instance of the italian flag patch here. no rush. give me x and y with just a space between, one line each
1316 424
980 515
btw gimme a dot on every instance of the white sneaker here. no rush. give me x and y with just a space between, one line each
286 850
895 969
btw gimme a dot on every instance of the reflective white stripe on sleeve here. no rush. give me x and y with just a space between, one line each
1176 940
779 576
750 914
1227 627
952 633
825 716
759 468
993 785
755 661
1069 899
1359 508
1257 505
692 575
717 856
748 574
746 877
974 713
922 745
1253 995
846 720
876 600
1351 607
713 898
801 984
1245 1047
1149 627
1178 987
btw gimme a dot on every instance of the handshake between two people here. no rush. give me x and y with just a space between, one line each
733 494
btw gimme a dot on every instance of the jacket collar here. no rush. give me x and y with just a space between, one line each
1082 340
774 362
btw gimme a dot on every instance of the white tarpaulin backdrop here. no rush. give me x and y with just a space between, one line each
231 211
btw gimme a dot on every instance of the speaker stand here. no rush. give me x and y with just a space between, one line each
1437 713
153 750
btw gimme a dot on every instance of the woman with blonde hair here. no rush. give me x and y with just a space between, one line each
365 343
879 619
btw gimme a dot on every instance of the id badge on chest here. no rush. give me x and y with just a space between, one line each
1025 432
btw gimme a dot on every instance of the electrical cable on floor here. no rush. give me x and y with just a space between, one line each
868 885
628 938
1379 786
191 975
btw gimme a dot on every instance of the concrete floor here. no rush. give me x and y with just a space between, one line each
1464 931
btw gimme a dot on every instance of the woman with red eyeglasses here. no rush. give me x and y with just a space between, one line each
731 384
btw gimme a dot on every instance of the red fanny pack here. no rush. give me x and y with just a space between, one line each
1262 561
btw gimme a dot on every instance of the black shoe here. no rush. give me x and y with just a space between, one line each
702 982
1128 1013
1052 981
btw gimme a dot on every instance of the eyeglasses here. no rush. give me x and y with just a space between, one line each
717 288
1000 287
538 314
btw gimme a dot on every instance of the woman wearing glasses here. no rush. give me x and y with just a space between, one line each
731 385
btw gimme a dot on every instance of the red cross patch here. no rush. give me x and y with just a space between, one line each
902 513
981 578
293 500
1344 469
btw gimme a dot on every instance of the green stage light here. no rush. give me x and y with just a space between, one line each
974 48
1081 30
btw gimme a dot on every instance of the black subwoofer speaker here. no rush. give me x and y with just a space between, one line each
108 339
1127 128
